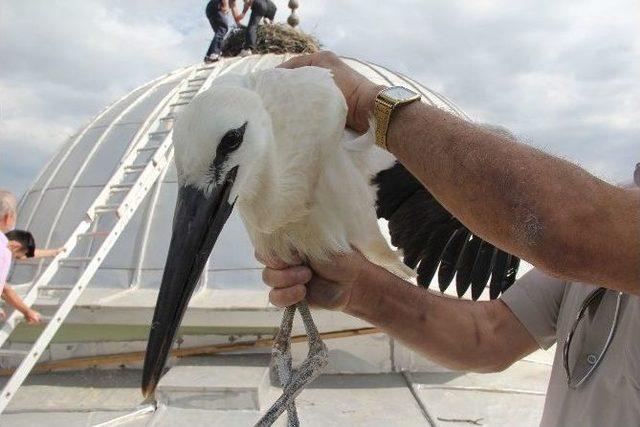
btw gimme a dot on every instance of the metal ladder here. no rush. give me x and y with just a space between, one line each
137 173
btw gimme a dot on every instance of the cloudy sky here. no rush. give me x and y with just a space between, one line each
563 75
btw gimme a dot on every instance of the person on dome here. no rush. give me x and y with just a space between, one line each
259 9
217 12
8 209
23 246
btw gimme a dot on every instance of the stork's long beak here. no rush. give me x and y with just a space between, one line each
197 222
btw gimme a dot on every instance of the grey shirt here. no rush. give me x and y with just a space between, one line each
548 307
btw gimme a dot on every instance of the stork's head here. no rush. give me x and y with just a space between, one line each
218 140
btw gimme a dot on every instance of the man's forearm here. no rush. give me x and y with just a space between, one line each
542 208
462 335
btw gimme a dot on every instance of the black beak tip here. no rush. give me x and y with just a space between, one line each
148 390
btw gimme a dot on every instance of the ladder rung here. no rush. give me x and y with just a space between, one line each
76 259
56 288
159 133
198 79
94 234
13 353
188 91
106 208
134 168
167 118
206 67
178 104
150 148
122 186
119 190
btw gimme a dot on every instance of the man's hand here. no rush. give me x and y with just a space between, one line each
358 91
3 315
329 286
32 317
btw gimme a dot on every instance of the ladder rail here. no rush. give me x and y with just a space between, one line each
75 140
15 317
126 209
61 313
90 155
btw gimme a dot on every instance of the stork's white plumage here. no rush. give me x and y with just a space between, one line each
270 143
273 143
298 190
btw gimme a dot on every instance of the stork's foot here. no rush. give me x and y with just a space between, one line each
310 369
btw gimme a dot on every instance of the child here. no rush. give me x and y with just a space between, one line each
22 245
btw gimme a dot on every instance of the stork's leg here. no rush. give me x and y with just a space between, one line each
317 356
309 370
281 355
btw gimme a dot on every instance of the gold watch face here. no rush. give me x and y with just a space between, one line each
399 94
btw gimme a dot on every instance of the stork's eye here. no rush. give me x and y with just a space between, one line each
231 140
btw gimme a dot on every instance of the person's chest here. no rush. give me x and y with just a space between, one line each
602 361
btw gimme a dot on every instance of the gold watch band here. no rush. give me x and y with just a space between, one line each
382 115
383 109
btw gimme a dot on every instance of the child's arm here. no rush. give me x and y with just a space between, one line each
47 253
14 300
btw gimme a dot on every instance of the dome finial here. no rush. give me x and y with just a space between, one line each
293 18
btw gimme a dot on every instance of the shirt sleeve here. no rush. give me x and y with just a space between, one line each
535 299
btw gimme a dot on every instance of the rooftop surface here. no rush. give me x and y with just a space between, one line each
234 389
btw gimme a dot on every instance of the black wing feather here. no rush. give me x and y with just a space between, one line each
466 263
482 269
433 253
426 215
500 268
450 257
430 237
510 276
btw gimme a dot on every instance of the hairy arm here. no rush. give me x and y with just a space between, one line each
539 207
463 335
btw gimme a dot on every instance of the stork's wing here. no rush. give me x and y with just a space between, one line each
430 236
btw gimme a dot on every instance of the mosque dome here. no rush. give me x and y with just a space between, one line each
57 200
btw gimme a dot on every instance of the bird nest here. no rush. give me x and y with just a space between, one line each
276 38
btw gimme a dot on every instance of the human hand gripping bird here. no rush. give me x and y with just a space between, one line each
273 144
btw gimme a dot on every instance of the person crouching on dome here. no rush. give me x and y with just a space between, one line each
217 12
259 9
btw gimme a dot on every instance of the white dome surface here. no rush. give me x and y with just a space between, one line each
58 199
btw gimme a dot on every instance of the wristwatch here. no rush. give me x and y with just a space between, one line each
386 102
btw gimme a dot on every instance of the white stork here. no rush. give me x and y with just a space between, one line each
273 144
